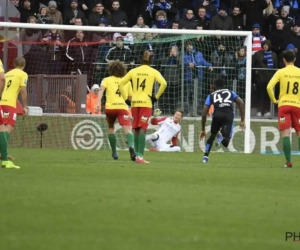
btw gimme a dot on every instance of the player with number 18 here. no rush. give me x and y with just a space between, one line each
223 117
288 103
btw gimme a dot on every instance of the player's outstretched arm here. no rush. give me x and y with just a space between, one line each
270 88
241 105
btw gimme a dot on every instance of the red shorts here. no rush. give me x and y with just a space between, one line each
1 116
9 115
140 116
289 116
122 115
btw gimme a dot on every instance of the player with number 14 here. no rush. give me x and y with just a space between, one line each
143 79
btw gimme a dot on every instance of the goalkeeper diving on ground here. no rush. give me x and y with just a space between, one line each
168 131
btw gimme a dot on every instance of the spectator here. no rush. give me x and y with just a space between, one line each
237 19
279 37
127 37
221 21
266 60
147 44
269 10
117 15
295 36
188 21
92 99
239 63
53 40
69 34
290 46
167 7
26 11
73 13
288 21
119 52
161 21
139 24
222 61
102 37
99 14
193 64
43 18
170 69
209 6
30 37
253 10
54 13
202 20
257 39
77 49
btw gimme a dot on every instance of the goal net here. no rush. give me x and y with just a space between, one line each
65 62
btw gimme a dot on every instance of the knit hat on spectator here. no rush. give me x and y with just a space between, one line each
102 21
52 4
42 7
95 87
72 1
119 37
286 9
256 26
223 7
290 47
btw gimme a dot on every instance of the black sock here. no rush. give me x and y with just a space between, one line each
225 142
209 144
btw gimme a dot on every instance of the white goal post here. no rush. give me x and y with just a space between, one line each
246 34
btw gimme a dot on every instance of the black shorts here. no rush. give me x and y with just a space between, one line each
225 122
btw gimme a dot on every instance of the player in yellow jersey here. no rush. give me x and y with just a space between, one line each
143 79
6 163
115 106
289 101
16 82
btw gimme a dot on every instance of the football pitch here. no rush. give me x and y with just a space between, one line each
64 199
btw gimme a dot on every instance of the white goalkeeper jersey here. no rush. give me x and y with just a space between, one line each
168 128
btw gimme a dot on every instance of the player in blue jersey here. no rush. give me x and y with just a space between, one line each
223 117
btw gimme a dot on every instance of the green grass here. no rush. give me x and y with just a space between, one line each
84 200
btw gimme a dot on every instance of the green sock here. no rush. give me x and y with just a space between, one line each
136 144
142 144
129 137
286 142
113 142
7 136
299 143
3 146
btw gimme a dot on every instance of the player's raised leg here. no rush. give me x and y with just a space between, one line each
152 138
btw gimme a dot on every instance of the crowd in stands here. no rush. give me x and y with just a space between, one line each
275 26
